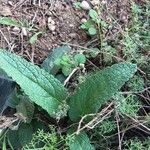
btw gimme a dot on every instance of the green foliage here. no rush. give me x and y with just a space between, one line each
67 63
49 64
77 5
92 31
105 127
136 84
99 88
90 25
25 109
47 140
34 38
80 58
127 105
137 144
22 136
80 142
47 92
109 52
10 22
41 87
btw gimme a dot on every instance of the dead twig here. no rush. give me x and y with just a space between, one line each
99 117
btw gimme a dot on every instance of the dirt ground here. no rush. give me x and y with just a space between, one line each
66 21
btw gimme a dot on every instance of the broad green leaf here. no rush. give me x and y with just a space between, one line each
34 38
25 109
81 142
22 136
13 138
49 63
41 87
98 88
25 133
10 22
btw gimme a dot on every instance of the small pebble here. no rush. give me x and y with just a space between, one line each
83 20
85 5
72 35
24 32
52 27
16 29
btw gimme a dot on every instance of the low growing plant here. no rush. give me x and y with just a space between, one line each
46 91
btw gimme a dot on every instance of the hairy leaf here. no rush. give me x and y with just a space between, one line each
99 88
41 87
81 142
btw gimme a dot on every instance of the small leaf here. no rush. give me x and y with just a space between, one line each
93 14
34 38
49 63
41 87
10 22
94 52
92 31
99 88
81 142
87 24
80 58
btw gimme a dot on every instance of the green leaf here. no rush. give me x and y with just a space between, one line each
22 136
86 25
14 100
49 63
34 38
80 58
10 22
66 70
25 109
25 133
92 31
98 88
13 138
41 87
93 14
81 142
